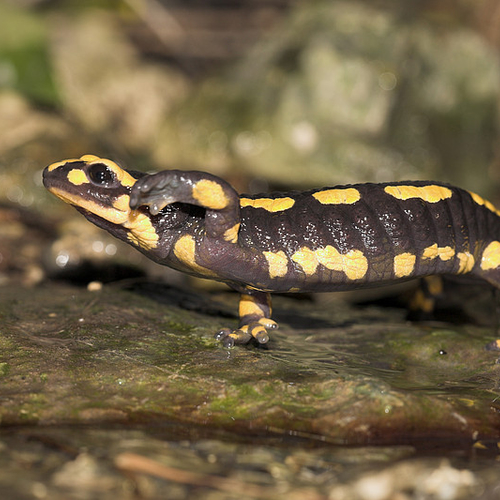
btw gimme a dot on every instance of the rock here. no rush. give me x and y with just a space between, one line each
346 92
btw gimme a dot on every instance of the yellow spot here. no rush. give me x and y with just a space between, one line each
430 193
142 232
434 285
77 177
491 256
306 259
420 302
354 264
254 329
486 203
278 263
269 204
248 307
444 253
465 262
185 251
404 263
340 196
430 252
330 257
479 446
210 194
231 234
268 323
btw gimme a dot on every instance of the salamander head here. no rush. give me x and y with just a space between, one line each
100 189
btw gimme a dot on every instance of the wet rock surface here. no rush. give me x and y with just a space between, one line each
125 390
353 376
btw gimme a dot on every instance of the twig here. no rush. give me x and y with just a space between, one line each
134 463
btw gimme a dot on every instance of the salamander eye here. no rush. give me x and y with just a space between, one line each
101 175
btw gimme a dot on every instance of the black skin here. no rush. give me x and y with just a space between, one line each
378 227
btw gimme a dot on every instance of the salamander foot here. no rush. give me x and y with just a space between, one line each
246 333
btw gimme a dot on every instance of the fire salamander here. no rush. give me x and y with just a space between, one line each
321 240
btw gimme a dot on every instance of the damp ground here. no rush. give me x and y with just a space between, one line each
124 391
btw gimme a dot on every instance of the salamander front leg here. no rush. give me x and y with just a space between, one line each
220 200
255 321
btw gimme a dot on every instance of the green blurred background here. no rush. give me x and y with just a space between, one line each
272 94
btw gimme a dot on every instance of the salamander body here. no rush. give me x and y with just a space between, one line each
327 239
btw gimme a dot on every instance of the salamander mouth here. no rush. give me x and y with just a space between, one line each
100 221
117 212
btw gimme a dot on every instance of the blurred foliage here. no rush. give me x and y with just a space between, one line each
346 92
24 55
335 92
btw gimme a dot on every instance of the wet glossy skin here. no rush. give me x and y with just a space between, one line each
321 240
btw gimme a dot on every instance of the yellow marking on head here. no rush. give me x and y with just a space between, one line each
306 259
491 256
338 196
141 230
486 203
58 164
210 194
77 177
444 253
185 251
123 177
111 214
248 307
122 203
269 204
277 262
142 233
466 262
431 193
231 234
404 263
354 264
